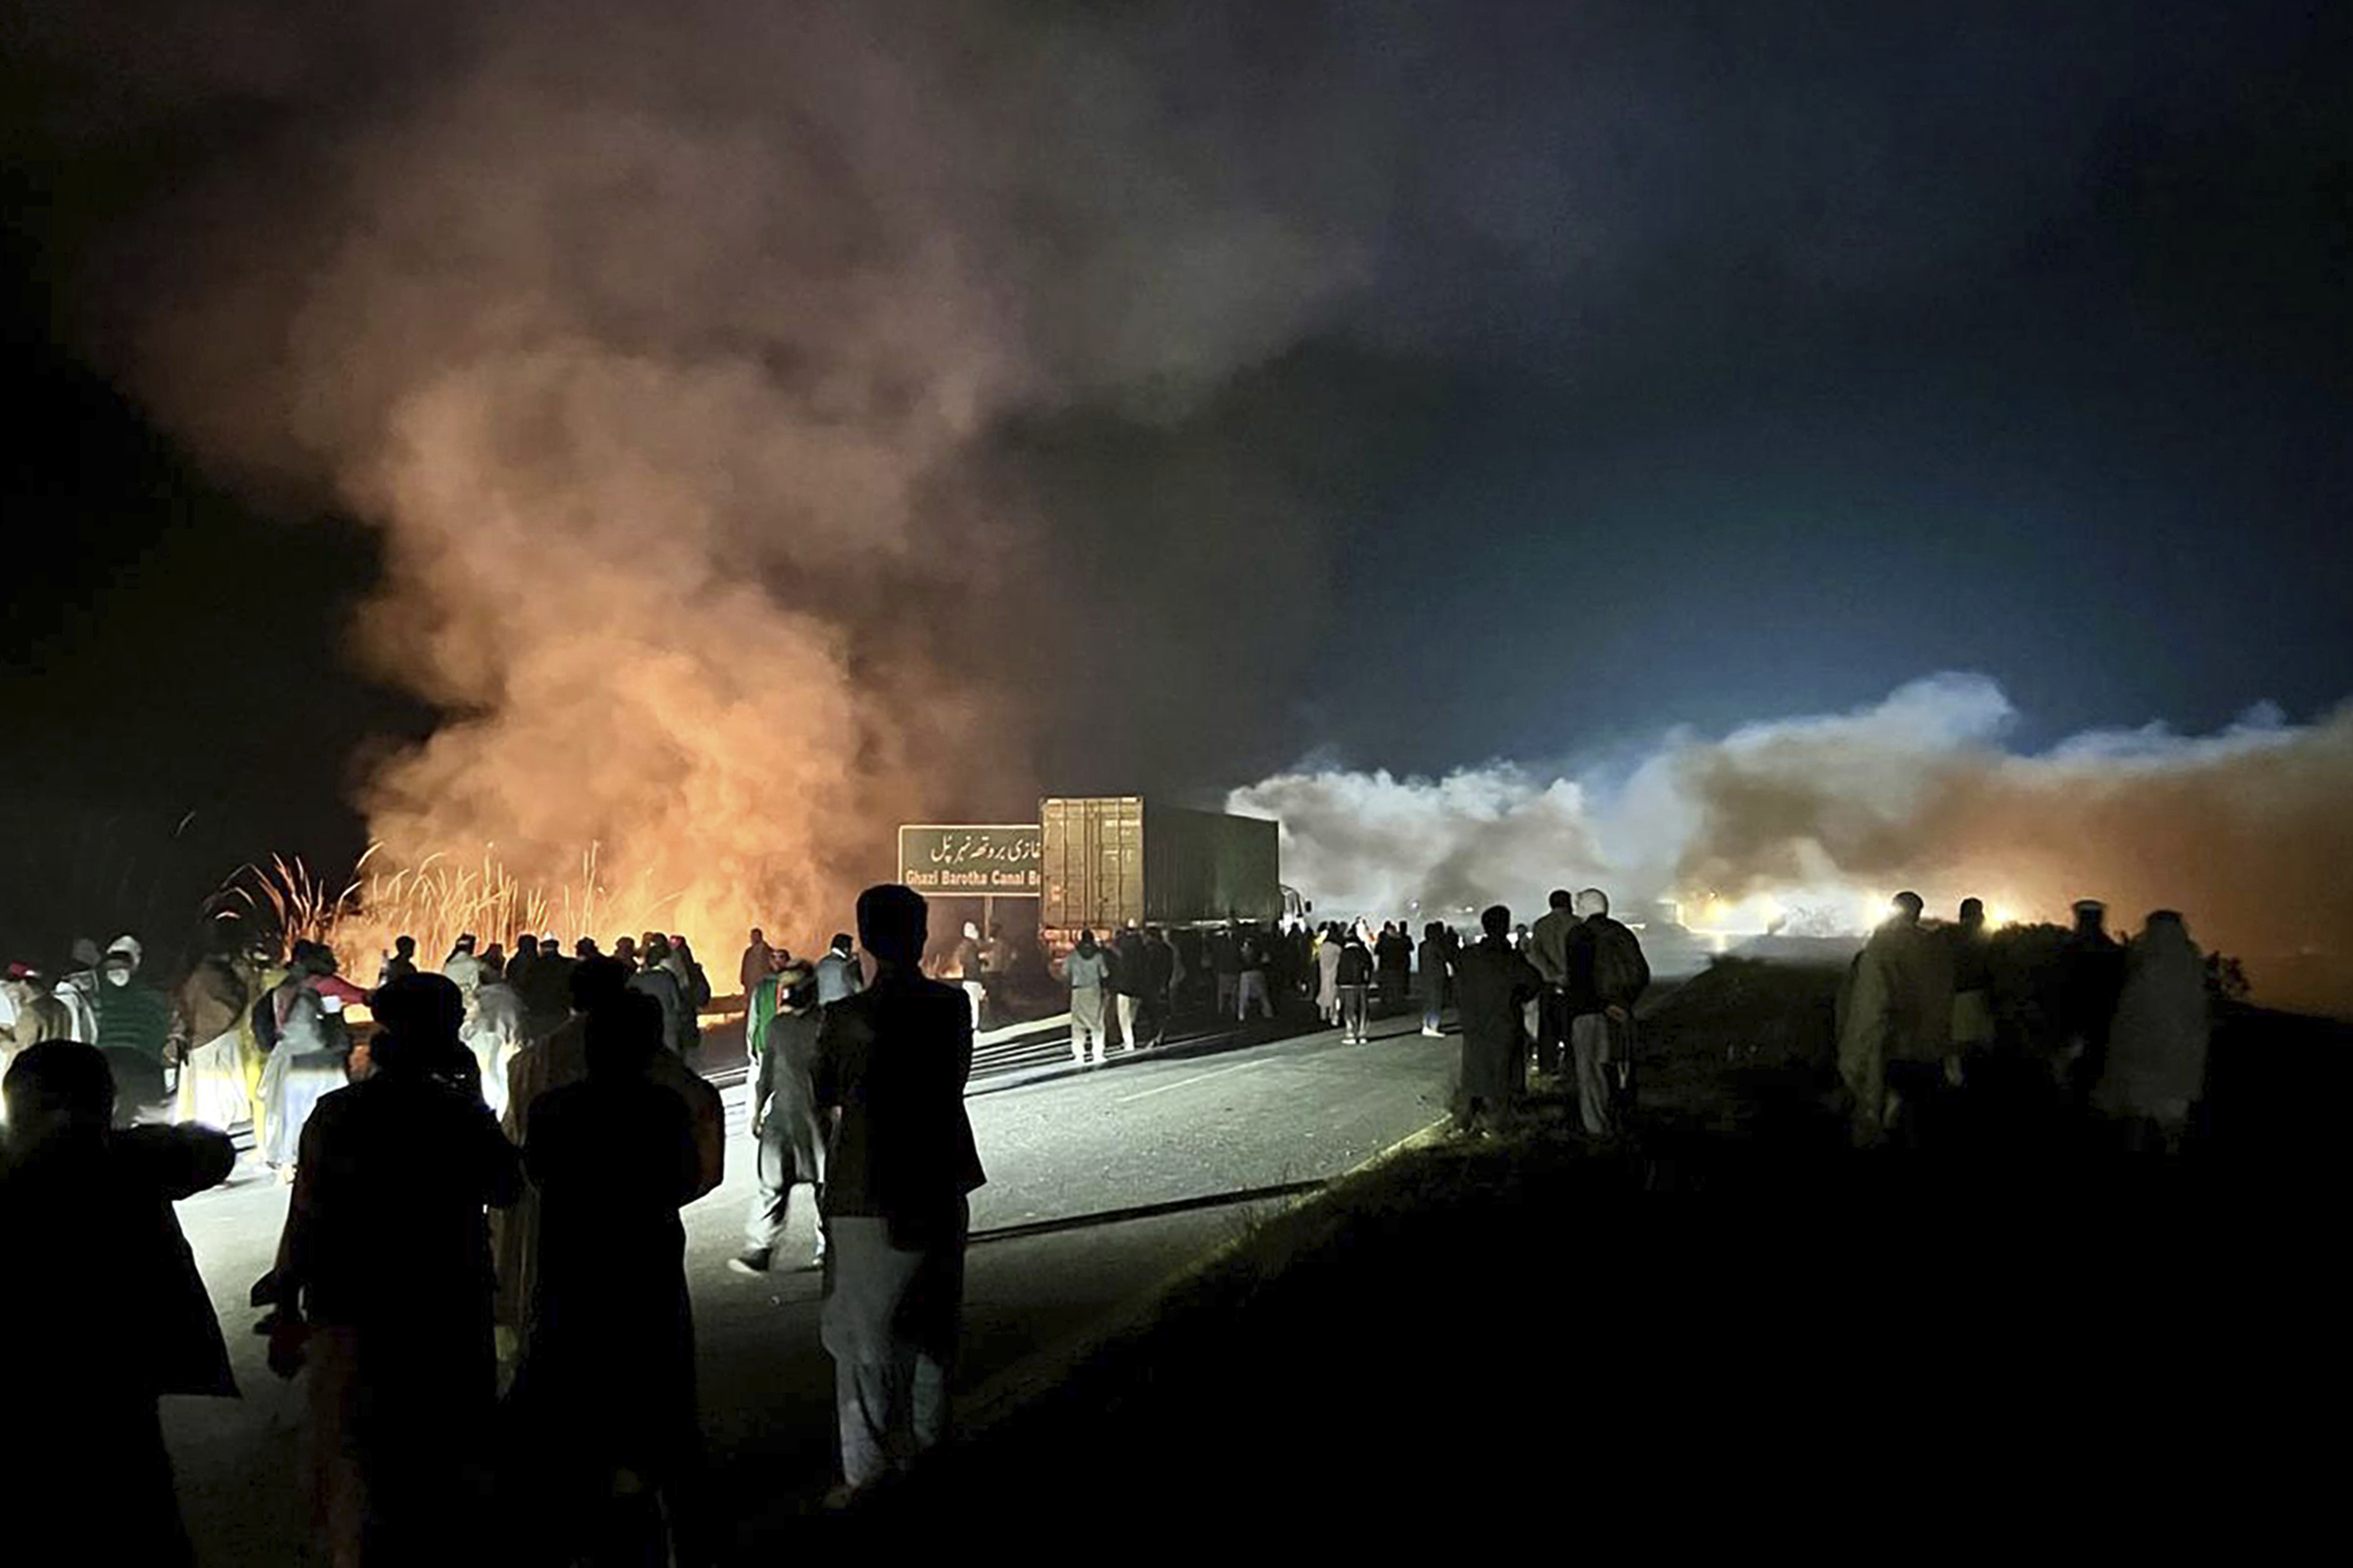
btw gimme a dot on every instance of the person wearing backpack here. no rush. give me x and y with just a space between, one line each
1605 974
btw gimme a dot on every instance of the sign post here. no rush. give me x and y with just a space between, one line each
984 860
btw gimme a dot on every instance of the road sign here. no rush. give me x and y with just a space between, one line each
997 860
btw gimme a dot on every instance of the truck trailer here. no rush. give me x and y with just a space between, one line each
1110 860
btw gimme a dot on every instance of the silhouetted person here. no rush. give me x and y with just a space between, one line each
786 1129
1160 983
550 1062
87 1225
1224 960
1433 957
2091 974
656 979
892 1064
1972 980
1353 982
758 961
2156 1061
1547 950
1250 987
1131 982
402 964
1492 987
605 1400
1602 975
838 971
1088 971
383 1289
1394 959
1896 1028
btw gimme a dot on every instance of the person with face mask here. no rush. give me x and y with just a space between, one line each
134 1028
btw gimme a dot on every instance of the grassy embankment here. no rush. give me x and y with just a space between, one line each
1485 1321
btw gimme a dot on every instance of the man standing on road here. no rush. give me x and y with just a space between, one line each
1605 975
1131 982
1547 950
969 973
1492 987
1250 988
891 1065
1225 959
1088 968
1353 983
759 961
383 1289
1896 1028
1160 971
1434 980
87 1211
785 1126
838 971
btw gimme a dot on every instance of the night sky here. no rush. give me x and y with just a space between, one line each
1693 365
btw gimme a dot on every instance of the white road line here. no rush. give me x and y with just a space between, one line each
1198 1078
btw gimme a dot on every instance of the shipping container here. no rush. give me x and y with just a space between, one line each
1113 858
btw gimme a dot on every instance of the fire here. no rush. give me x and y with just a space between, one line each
436 901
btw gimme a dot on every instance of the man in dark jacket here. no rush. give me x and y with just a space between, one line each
1492 987
1354 979
891 1065
1393 955
605 1398
1604 974
786 1129
1131 982
85 1217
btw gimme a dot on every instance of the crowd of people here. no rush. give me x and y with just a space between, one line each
1567 984
492 1174
2121 1034
497 1178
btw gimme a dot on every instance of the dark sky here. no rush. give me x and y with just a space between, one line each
1714 363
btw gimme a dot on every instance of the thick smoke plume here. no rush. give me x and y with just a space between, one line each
664 343
1815 820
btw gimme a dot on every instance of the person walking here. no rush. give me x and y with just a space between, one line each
86 1211
2155 1066
1088 969
1492 987
785 1131
1251 989
1225 961
1894 1029
891 1067
605 1398
383 1290
1604 975
1131 982
1354 985
838 972
1161 977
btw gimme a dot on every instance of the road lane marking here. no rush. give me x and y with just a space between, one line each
1198 1078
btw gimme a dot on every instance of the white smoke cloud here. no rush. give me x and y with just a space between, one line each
2246 831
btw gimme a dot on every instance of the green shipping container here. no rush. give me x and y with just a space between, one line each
1115 858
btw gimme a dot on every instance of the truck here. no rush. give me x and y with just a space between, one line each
1109 860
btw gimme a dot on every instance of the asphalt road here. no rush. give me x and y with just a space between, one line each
1210 1117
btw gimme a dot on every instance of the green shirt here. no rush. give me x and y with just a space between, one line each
133 1017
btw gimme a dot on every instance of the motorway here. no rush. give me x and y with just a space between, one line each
1065 1150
